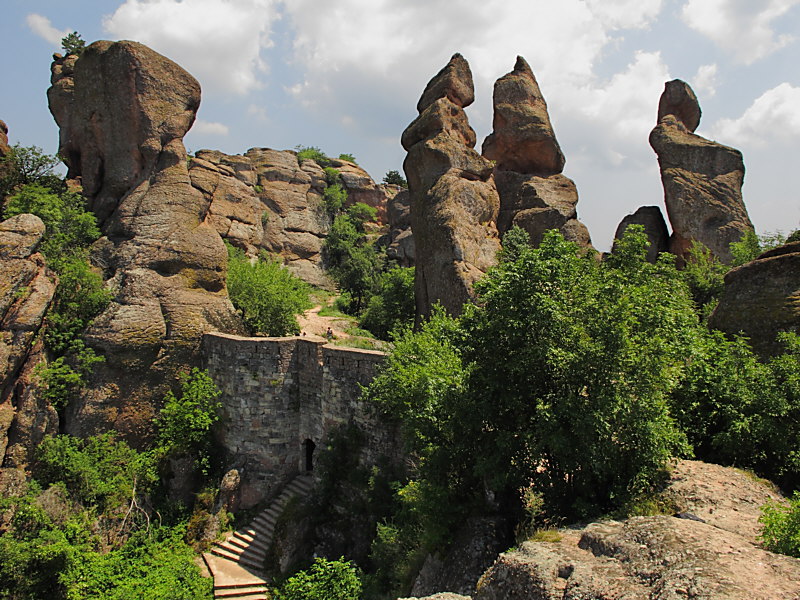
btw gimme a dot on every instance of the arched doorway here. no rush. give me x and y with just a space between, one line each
308 451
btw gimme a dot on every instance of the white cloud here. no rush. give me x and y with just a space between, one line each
704 83
218 41
42 27
210 127
258 112
773 117
741 27
625 14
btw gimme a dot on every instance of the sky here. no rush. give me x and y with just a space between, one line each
345 76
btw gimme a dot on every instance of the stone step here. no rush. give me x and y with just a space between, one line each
248 552
242 592
249 539
237 558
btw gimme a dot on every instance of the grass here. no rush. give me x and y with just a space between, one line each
547 534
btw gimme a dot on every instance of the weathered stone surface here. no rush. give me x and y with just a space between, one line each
474 548
534 195
361 188
522 139
702 179
123 110
26 291
761 298
267 200
4 147
679 100
440 596
400 245
537 204
655 228
706 554
453 82
454 202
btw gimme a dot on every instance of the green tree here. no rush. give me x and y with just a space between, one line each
515 241
392 304
325 580
705 276
266 294
25 165
312 153
393 177
348 157
351 260
184 423
73 43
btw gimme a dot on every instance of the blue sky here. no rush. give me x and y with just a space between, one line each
345 75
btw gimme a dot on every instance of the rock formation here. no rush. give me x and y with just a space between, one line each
702 179
707 549
400 243
4 147
454 202
123 110
761 298
655 228
26 291
533 193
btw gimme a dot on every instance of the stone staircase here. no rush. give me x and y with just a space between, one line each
237 563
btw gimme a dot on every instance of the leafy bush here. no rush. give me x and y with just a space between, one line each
99 471
334 198
348 158
325 580
794 236
394 178
705 276
25 165
392 305
515 241
312 153
184 423
781 526
360 213
266 294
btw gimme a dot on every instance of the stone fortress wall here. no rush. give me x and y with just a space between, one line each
281 399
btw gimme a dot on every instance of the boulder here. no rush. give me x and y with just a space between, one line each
454 202
400 243
655 228
27 288
522 139
761 298
122 111
534 195
702 179
707 549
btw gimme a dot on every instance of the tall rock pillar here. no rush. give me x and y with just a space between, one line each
454 202
533 193
123 110
702 179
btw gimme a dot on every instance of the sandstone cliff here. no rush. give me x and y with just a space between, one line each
702 179
534 194
454 202
123 110
26 291
761 298
707 549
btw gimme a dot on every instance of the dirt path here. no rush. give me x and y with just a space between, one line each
311 323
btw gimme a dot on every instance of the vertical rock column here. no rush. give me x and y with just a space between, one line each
454 202
122 111
533 193
702 179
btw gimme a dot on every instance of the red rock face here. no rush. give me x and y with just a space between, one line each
454 202
702 179
534 195
123 110
27 291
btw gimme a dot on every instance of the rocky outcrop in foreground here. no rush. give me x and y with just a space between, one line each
123 110
27 287
761 298
454 202
707 549
702 179
533 193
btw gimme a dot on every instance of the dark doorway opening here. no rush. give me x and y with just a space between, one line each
308 447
